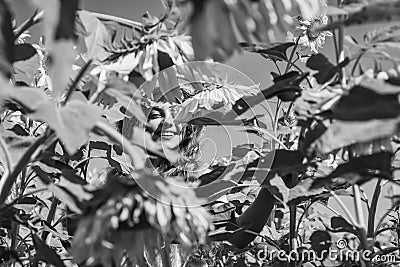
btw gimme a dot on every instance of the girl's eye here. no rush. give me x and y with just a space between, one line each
154 115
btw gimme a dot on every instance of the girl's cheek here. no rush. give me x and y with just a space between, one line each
154 123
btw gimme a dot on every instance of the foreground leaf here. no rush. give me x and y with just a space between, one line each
344 133
360 170
45 253
274 51
6 40
380 11
326 70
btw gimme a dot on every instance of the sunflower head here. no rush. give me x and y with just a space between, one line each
307 34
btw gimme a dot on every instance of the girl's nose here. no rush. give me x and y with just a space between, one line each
168 122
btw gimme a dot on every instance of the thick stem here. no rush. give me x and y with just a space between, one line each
292 232
76 81
372 209
36 18
361 222
356 63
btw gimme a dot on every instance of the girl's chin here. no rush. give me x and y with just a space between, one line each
170 142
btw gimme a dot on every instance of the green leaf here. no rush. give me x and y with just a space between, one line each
72 122
278 189
96 35
326 70
169 85
66 23
30 98
377 12
132 105
212 32
363 103
70 193
302 192
288 83
383 36
339 224
273 51
45 253
25 70
360 170
344 133
6 40
23 52
59 25
320 241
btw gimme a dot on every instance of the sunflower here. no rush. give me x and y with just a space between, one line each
307 35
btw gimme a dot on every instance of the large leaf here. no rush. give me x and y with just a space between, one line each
283 85
344 133
380 11
70 193
312 102
96 35
27 65
302 192
6 40
132 105
45 253
23 52
383 37
169 86
124 211
274 51
326 70
339 224
360 170
29 98
363 104
217 98
59 25
72 122
66 23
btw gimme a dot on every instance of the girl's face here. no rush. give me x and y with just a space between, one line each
162 120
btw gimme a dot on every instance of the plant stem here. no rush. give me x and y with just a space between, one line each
292 232
344 208
341 53
7 182
50 215
372 210
290 63
356 63
358 206
76 81
36 18
361 222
